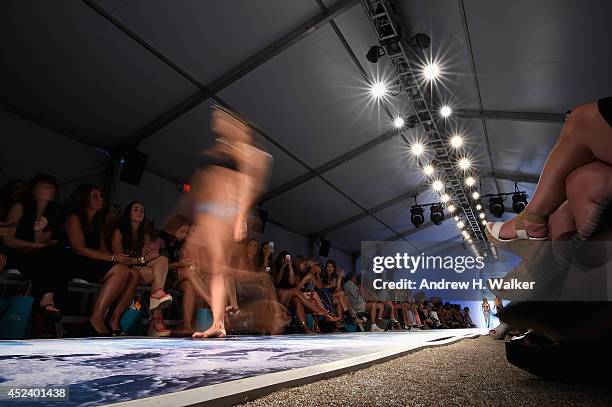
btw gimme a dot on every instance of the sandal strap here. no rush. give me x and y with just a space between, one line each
521 232
156 290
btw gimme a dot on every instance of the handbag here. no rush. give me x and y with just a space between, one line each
16 321
131 319
204 318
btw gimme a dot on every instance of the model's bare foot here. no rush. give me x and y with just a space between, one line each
212 332
508 230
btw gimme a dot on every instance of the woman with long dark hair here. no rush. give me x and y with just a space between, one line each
31 246
132 238
89 259
331 292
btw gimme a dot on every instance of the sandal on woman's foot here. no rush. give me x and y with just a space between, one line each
305 327
157 328
523 245
329 317
159 299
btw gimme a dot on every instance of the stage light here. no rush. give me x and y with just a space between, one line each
470 181
484 223
451 208
470 240
378 89
445 111
416 216
420 40
475 195
375 53
437 185
428 169
456 218
437 214
431 71
496 206
456 141
478 207
482 215
465 233
519 202
417 149
399 122
444 198
460 224
465 163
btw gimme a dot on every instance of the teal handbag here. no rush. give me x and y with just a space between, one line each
204 319
16 321
131 320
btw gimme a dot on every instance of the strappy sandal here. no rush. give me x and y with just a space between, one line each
160 333
328 316
161 301
523 245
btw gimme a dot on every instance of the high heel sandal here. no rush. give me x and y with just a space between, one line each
523 245
153 331
329 317
160 302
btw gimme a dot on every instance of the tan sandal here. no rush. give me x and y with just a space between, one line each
523 245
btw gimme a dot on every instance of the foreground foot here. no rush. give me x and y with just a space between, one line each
508 230
212 332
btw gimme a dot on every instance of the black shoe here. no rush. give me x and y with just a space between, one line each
91 332
118 332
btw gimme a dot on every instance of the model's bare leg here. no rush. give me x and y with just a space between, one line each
585 137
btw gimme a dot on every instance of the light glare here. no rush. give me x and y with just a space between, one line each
431 71
470 181
378 89
456 141
437 185
417 149
399 122
445 111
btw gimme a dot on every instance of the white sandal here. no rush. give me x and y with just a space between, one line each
523 245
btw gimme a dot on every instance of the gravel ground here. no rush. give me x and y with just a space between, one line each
470 372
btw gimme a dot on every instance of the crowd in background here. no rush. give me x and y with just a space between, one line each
86 238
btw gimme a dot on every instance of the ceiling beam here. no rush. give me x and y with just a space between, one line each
330 165
207 91
514 116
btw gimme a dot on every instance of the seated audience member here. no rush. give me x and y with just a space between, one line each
375 303
133 238
329 287
264 257
31 246
171 240
359 304
10 193
307 271
286 281
88 259
467 318
109 218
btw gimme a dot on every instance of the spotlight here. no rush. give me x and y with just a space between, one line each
445 111
420 40
456 218
475 195
456 141
519 202
416 216
451 208
399 122
470 181
465 233
417 149
437 185
465 164
460 224
484 223
478 207
431 71
482 215
375 53
378 89
496 206
428 169
445 198
437 214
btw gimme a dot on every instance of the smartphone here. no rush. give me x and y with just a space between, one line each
288 257
271 244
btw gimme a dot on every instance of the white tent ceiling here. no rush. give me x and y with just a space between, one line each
109 71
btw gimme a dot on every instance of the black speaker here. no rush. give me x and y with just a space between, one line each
132 163
324 247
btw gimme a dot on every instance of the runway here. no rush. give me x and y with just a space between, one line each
102 371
